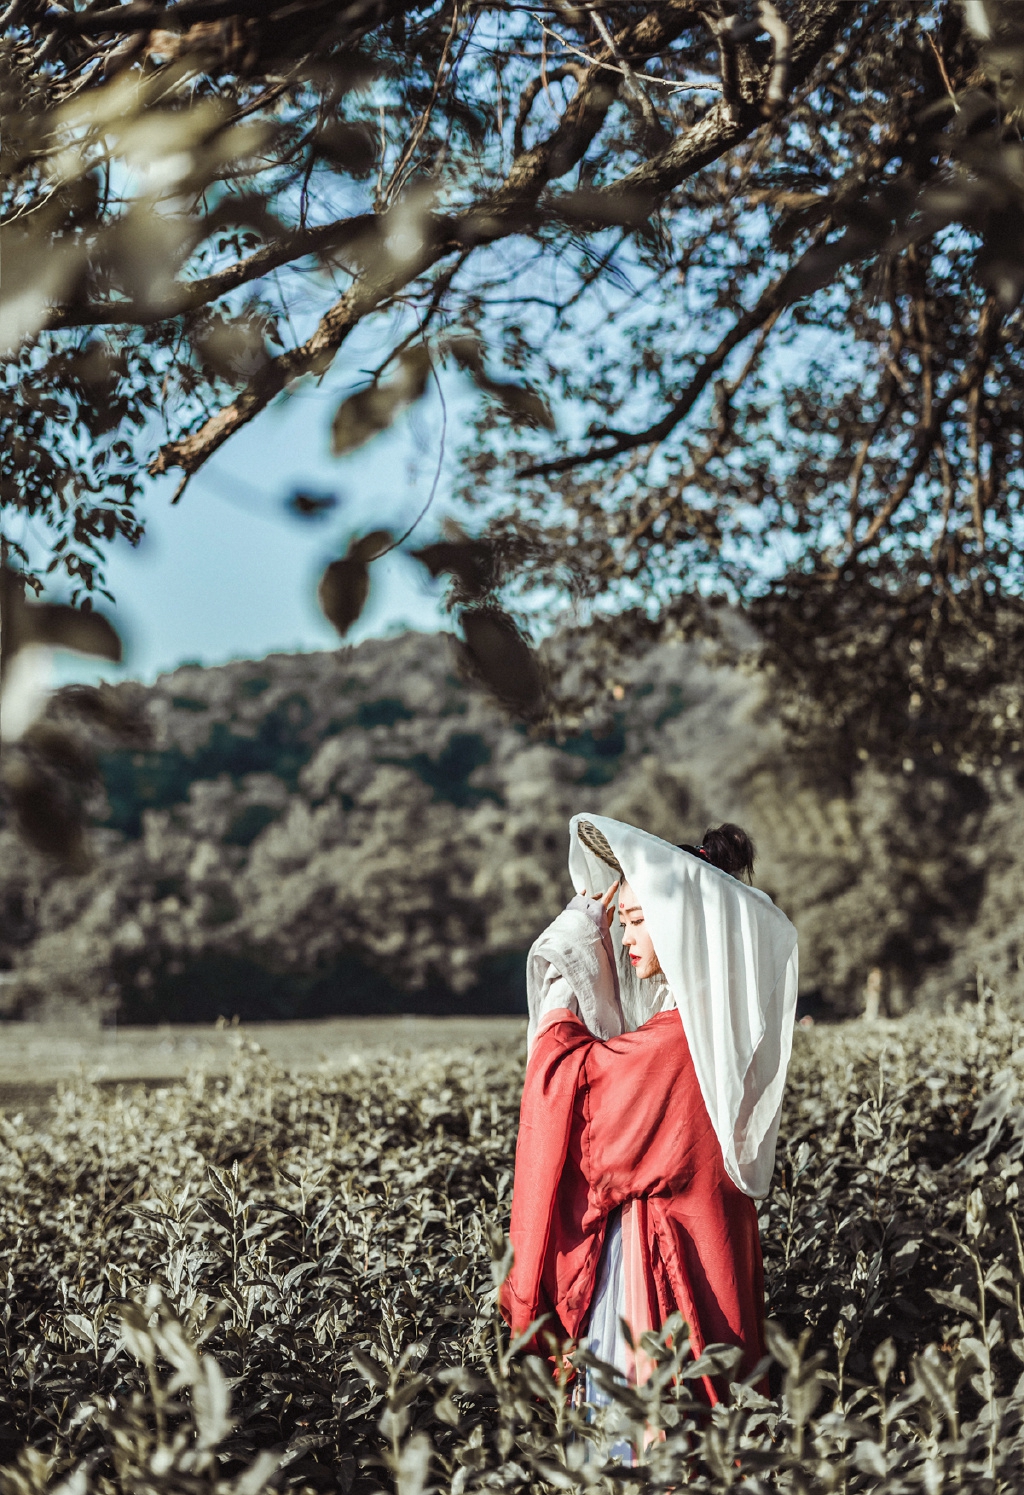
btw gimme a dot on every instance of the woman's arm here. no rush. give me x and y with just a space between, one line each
572 966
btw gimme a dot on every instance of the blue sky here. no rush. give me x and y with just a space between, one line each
228 573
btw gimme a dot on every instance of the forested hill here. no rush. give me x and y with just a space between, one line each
362 831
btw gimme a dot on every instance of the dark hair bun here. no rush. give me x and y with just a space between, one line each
729 848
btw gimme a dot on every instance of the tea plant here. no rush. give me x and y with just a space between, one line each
289 1282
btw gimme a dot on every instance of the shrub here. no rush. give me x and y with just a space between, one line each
289 1281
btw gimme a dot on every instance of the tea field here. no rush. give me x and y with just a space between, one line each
269 1280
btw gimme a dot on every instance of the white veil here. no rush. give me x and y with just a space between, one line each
730 958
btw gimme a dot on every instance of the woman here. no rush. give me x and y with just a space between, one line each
652 1097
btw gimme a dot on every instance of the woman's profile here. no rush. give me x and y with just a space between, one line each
655 1073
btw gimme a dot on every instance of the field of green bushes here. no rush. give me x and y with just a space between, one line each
288 1282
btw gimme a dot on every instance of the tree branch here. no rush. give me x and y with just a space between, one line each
767 308
495 217
928 432
726 392
193 294
782 44
726 123
139 16
536 86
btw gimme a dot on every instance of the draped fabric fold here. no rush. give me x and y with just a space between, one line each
624 1123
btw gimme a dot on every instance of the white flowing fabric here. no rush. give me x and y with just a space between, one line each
730 959
572 964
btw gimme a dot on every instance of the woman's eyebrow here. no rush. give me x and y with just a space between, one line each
636 909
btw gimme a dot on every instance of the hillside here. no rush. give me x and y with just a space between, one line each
362 831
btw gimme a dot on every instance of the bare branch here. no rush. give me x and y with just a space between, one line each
928 431
767 309
537 86
726 390
193 294
726 124
777 91
653 125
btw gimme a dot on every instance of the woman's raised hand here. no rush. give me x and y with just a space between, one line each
607 900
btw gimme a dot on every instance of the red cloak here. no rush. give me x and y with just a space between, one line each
606 1122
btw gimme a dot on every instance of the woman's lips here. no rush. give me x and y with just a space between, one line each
635 959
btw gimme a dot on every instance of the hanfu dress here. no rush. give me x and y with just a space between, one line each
650 1110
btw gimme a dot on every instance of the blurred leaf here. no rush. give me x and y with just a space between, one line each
936 1379
350 147
883 1361
414 1465
714 1360
62 752
50 819
106 706
235 350
502 658
311 505
999 265
63 627
369 547
521 402
345 585
212 1404
471 562
259 1476
51 623
243 210
343 590
995 1106
370 411
591 208
870 1458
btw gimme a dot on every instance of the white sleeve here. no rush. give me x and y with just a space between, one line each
573 958
555 992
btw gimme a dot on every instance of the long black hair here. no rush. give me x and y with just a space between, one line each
728 847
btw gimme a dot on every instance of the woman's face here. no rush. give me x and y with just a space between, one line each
635 935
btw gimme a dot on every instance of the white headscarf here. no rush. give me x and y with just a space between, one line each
730 959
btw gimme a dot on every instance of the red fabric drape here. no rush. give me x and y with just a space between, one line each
606 1122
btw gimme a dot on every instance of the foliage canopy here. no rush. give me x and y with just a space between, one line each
764 261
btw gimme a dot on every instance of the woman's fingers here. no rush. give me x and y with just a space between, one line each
607 897
608 900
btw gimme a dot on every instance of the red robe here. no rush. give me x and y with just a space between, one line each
604 1123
